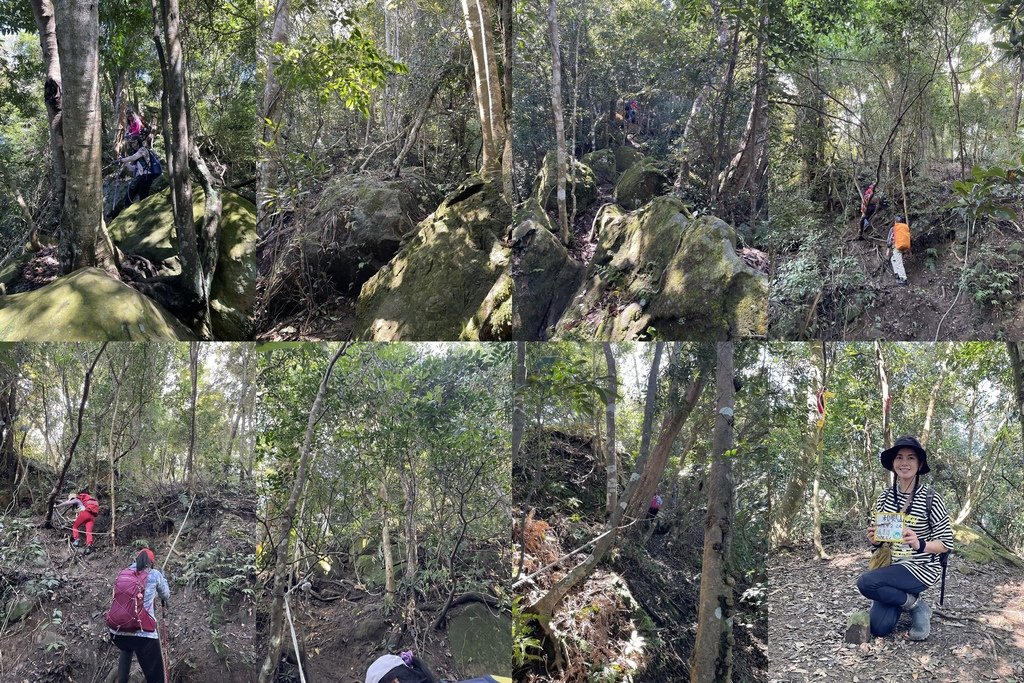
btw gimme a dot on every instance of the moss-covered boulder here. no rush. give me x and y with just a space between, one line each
356 227
87 305
580 180
602 162
660 273
626 158
544 275
481 642
147 229
640 184
981 548
444 282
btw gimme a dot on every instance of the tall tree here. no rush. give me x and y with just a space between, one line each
712 648
42 10
611 456
1017 369
282 577
190 461
78 33
556 111
487 87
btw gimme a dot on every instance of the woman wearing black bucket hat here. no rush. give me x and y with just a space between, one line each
915 562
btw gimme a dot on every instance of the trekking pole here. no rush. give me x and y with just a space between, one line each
165 646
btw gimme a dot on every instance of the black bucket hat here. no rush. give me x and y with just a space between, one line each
889 454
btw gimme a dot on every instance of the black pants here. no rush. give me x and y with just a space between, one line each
652 513
147 650
888 587
139 189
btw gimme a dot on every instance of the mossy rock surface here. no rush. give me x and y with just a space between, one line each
626 158
87 305
357 226
481 642
443 284
580 181
602 162
977 546
147 229
544 274
658 273
641 183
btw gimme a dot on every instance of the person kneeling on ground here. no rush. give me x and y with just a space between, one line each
132 623
927 534
88 509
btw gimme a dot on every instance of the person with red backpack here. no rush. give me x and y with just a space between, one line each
868 206
656 502
132 617
88 510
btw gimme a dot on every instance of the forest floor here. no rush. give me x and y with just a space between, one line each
63 637
637 611
930 306
978 635
332 318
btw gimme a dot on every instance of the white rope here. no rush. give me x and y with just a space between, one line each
295 640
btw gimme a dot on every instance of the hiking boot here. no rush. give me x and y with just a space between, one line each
921 624
76 544
88 550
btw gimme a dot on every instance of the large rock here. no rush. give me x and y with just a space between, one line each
87 305
580 180
602 162
626 158
640 184
481 642
660 273
357 226
147 229
445 282
544 274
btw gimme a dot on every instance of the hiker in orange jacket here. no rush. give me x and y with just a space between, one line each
88 509
899 243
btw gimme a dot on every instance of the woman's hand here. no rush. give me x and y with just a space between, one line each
910 538
870 533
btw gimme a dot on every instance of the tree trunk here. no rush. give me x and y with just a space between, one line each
1018 91
52 94
611 452
518 413
417 124
385 544
1013 349
741 168
712 649
111 483
78 34
193 369
273 100
9 373
487 87
556 111
720 47
197 299
883 386
671 425
926 431
281 574
505 17
213 207
816 426
59 484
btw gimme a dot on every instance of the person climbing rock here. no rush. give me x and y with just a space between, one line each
131 619
632 112
135 126
915 562
899 243
139 165
88 509
656 502
868 206
404 668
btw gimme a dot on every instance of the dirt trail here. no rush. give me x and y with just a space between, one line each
927 306
65 638
978 635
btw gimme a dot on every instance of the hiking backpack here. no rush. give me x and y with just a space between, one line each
944 557
90 503
128 611
155 169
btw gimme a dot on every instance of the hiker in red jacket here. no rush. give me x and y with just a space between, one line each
132 618
88 509
656 502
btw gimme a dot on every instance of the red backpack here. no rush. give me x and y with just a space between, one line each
127 611
90 503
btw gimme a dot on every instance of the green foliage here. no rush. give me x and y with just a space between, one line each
993 278
525 645
223 575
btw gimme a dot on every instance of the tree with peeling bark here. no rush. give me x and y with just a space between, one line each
556 110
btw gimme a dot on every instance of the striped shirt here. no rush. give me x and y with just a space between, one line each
924 566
